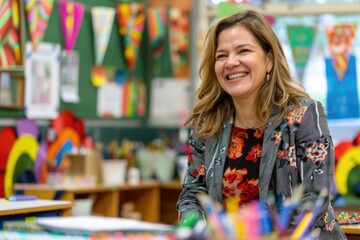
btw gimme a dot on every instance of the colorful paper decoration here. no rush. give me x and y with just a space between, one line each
10 52
38 14
179 41
141 98
349 161
131 18
6 58
130 95
5 16
102 20
340 41
7 138
26 144
71 17
157 17
68 134
98 76
40 161
300 39
64 120
27 126
342 96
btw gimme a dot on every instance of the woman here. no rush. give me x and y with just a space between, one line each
254 129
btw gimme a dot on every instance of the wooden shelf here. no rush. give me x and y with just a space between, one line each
155 201
291 9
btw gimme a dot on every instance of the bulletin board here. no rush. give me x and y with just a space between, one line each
86 107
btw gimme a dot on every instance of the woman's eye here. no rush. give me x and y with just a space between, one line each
243 51
219 57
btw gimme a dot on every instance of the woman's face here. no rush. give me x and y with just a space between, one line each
240 63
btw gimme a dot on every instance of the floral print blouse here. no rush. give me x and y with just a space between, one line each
242 165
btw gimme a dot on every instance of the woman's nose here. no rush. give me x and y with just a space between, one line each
232 61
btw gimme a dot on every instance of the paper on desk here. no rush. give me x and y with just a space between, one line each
94 224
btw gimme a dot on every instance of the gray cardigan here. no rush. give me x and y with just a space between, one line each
297 149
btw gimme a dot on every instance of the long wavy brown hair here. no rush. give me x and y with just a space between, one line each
213 105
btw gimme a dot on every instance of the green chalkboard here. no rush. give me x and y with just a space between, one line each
86 107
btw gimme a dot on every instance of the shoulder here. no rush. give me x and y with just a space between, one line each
306 107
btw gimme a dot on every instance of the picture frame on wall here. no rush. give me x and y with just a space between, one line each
11 35
42 70
11 90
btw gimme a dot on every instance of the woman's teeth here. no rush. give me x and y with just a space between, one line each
236 75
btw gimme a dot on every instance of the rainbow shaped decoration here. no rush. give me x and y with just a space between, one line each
21 158
67 139
347 173
24 159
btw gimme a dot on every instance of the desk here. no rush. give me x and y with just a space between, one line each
152 199
21 210
352 231
8 208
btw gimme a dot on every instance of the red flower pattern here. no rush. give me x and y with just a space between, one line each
255 153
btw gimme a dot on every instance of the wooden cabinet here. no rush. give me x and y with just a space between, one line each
156 202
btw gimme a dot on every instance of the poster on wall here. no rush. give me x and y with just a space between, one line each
109 100
42 81
342 92
170 101
69 74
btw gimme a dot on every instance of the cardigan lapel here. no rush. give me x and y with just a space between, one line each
269 152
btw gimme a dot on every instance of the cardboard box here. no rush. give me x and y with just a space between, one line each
88 164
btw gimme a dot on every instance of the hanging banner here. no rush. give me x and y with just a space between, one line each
71 17
301 40
179 28
342 96
157 17
10 50
6 57
5 16
69 76
340 42
102 20
37 15
157 27
131 18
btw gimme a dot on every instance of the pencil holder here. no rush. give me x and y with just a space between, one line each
114 171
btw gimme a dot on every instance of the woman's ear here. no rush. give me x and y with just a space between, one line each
270 61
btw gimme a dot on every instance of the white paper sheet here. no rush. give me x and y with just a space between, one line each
110 100
70 76
94 224
170 99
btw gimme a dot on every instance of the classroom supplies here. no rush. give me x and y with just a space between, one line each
17 198
96 225
257 219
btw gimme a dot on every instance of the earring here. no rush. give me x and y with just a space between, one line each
267 76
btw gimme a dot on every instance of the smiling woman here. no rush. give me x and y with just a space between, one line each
241 67
255 131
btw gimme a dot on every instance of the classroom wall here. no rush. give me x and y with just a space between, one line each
105 129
